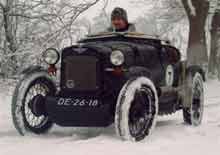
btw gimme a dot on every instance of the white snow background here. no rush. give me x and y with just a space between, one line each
171 136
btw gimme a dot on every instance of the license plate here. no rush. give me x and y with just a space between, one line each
77 102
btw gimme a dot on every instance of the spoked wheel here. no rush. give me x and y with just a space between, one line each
28 109
33 107
136 109
141 112
194 114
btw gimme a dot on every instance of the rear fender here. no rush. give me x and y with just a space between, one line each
187 84
195 68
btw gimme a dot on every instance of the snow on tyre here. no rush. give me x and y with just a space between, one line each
194 113
136 110
28 111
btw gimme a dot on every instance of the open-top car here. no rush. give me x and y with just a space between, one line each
123 78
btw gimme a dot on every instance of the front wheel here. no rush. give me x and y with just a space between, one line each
195 93
136 110
28 109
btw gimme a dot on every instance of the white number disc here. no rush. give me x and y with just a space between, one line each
169 75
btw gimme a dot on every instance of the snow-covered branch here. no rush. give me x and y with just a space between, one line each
191 8
31 26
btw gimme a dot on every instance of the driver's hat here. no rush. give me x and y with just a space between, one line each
119 13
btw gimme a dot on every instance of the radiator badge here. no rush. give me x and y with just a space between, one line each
70 84
80 50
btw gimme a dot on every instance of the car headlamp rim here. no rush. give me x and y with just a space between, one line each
46 53
117 57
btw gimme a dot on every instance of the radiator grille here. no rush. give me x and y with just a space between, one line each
80 73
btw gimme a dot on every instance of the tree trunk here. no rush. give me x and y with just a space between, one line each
215 37
10 36
197 12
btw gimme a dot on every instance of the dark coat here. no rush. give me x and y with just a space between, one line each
130 28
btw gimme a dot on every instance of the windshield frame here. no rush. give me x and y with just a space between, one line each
134 35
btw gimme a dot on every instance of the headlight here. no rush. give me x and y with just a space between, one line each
51 56
117 58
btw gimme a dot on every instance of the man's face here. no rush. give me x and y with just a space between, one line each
119 23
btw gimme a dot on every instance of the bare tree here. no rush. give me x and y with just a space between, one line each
197 12
215 33
214 58
32 26
166 19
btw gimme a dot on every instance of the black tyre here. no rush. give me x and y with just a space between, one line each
194 113
136 110
31 87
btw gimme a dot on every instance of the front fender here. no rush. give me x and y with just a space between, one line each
35 70
31 69
138 71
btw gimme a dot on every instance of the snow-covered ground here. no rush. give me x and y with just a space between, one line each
171 136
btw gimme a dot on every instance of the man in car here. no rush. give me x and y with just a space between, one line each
119 21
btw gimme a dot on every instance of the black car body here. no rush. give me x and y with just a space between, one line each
88 66
90 84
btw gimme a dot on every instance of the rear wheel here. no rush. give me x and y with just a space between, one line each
136 109
194 113
28 109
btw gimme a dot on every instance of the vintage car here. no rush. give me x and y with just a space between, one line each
123 78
